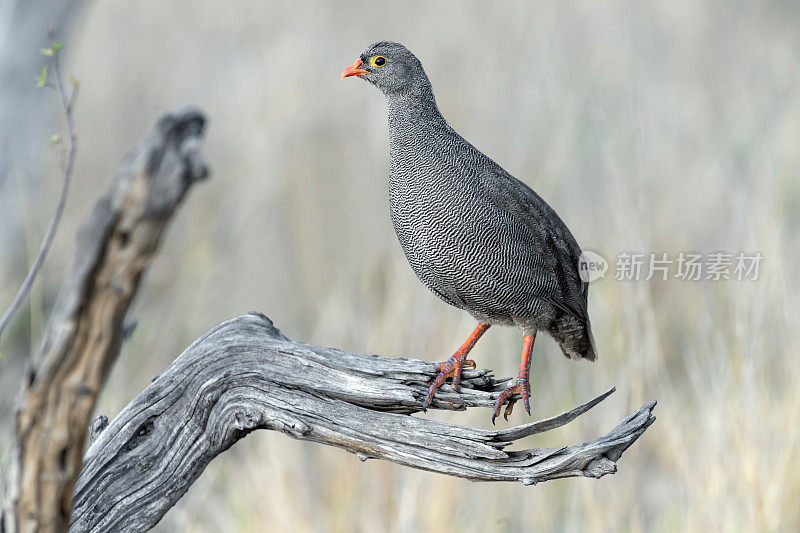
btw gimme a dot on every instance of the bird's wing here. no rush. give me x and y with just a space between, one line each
513 196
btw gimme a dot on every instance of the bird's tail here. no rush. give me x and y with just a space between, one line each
575 339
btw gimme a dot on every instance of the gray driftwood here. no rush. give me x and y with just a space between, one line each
245 375
115 245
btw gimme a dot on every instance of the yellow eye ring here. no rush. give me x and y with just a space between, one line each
377 61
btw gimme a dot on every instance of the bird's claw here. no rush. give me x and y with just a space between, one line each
523 389
447 369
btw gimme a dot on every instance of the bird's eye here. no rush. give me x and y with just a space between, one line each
377 61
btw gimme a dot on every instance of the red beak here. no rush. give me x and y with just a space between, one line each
353 69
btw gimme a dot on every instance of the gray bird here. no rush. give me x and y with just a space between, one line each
476 236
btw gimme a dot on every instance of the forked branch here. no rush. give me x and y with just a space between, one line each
245 375
115 245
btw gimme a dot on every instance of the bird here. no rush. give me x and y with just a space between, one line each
476 236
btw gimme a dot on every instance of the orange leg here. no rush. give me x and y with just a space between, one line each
523 387
452 367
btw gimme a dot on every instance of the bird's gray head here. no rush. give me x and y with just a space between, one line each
391 68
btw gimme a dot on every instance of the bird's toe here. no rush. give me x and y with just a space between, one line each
511 395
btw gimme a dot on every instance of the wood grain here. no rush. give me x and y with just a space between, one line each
245 375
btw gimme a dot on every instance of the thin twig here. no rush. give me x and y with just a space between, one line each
67 104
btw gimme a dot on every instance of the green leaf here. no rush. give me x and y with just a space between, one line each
56 47
54 139
42 78
46 52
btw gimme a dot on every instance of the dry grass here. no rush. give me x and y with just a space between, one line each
650 126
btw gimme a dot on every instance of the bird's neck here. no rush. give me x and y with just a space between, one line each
418 105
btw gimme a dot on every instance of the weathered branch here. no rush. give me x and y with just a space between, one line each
67 105
115 245
245 375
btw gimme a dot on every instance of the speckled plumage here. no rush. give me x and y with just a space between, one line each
476 236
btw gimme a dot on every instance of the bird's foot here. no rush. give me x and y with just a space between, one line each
523 389
447 369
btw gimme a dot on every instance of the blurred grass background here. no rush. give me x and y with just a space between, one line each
656 126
